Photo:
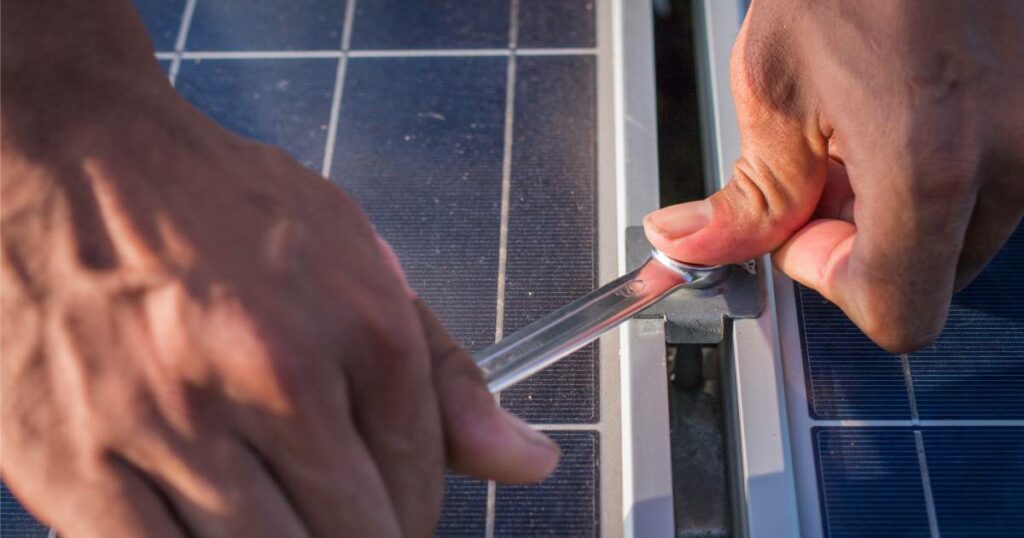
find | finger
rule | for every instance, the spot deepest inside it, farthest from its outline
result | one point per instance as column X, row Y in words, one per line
column 837, row 198
column 316, row 455
column 776, row 183
column 119, row 502
column 995, row 219
column 217, row 486
column 892, row 274
column 395, row 410
column 481, row 439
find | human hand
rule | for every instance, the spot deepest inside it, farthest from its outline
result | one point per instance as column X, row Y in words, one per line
column 201, row 337
column 882, row 155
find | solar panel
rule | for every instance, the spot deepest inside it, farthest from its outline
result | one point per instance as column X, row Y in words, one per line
column 964, row 394
column 469, row 132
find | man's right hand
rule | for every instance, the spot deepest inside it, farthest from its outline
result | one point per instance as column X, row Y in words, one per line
column 883, row 155
column 202, row 338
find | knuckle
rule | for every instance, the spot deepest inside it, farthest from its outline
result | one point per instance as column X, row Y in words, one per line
column 900, row 330
column 759, row 193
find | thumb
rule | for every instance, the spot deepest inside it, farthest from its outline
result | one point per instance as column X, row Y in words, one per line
column 776, row 183
column 481, row 439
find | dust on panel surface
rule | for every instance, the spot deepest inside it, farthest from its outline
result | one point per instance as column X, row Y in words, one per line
column 551, row 225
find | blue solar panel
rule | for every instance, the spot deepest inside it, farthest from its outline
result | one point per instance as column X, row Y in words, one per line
column 420, row 145
column 566, row 504
column 975, row 371
column 869, row 482
column 415, row 24
column 976, row 368
column 465, row 508
column 163, row 21
column 543, row 23
column 266, row 25
column 286, row 102
column 551, row 220
column 977, row 479
column 847, row 375
column 15, row 522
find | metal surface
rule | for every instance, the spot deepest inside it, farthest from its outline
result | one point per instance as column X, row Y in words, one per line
column 643, row 415
column 762, row 473
column 698, row 316
column 556, row 335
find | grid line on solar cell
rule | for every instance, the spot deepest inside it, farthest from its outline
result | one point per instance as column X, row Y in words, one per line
column 552, row 232
column 339, row 86
column 506, row 187
column 333, row 53
column 179, row 42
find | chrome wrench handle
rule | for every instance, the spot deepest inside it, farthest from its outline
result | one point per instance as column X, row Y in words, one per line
column 556, row 335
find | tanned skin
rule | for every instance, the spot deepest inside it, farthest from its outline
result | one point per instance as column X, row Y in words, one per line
column 200, row 337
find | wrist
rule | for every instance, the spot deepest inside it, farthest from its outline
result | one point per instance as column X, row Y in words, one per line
column 67, row 65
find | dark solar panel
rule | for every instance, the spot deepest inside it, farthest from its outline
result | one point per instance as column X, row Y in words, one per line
column 465, row 508
column 869, row 482
column 847, row 375
column 543, row 23
column 551, row 237
column 977, row 479
column 417, row 24
column 976, row 369
column 420, row 144
column 163, row 21
column 266, row 25
column 974, row 372
column 286, row 102
column 566, row 504
column 15, row 522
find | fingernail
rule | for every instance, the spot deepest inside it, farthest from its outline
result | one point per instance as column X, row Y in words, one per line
column 529, row 433
column 680, row 220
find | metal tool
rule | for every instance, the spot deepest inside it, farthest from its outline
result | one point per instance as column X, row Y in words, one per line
column 545, row 341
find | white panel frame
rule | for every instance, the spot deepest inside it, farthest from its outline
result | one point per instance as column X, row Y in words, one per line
column 764, row 485
column 646, row 504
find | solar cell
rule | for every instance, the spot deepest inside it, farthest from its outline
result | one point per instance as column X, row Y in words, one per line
column 977, row 479
column 566, row 504
column 465, row 508
column 551, row 225
column 869, row 482
column 286, row 102
column 420, row 146
column 15, row 522
column 415, row 24
column 163, row 20
column 266, row 25
column 848, row 376
column 543, row 23
column 976, row 368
